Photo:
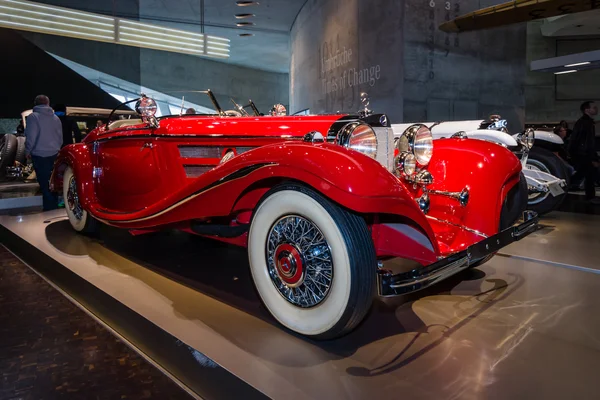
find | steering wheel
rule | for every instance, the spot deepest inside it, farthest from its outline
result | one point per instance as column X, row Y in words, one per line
column 239, row 108
column 233, row 113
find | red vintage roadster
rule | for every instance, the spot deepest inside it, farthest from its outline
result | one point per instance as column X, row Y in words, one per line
column 324, row 204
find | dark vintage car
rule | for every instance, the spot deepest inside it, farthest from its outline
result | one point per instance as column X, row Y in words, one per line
column 324, row 203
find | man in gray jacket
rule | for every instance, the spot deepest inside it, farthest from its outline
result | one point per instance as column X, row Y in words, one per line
column 43, row 131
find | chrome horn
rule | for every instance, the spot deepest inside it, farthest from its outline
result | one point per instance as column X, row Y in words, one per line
column 462, row 196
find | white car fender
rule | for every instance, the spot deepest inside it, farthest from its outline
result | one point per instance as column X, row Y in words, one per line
column 548, row 137
column 492, row 136
column 471, row 129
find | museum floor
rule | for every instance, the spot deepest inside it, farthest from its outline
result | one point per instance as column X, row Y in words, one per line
column 524, row 325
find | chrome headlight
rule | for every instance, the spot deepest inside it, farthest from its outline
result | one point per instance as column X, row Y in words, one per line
column 359, row 137
column 527, row 138
column 407, row 164
column 417, row 140
column 146, row 107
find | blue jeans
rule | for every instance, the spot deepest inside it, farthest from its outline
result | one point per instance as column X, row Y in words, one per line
column 43, row 169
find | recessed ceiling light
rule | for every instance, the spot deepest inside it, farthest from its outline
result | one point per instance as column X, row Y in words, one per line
column 565, row 72
column 242, row 16
column 246, row 3
column 246, row 34
column 577, row 64
column 245, row 23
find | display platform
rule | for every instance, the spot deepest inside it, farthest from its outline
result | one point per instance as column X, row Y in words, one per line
column 14, row 194
column 523, row 325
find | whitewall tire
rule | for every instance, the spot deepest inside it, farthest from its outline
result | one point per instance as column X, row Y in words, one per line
column 313, row 263
column 80, row 219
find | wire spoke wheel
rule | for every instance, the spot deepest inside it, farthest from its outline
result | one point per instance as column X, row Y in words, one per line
column 299, row 261
column 73, row 199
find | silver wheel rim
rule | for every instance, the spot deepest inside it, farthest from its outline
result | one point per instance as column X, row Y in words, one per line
column 537, row 197
column 73, row 199
column 299, row 261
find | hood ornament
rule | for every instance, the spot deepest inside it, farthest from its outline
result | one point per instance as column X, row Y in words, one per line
column 365, row 101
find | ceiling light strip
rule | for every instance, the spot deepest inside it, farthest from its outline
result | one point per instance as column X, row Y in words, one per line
column 157, row 45
column 34, row 17
column 27, row 12
column 154, row 27
column 217, row 49
column 42, row 29
column 155, row 32
column 47, row 22
column 578, row 64
column 149, row 40
column 219, row 39
column 565, row 72
column 217, row 54
column 218, row 44
column 57, row 9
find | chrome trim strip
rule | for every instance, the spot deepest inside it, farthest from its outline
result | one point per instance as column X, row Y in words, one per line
column 476, row 232
column 197, row 135
column 231, row 177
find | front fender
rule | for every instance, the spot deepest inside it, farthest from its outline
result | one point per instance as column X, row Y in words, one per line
column 76, row 156
column 487, row 170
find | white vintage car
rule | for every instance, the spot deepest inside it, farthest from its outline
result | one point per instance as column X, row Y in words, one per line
column 547, row 175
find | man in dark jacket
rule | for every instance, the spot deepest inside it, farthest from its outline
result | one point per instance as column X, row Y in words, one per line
column 583, row 152
column 70, row 129
column 43, row 131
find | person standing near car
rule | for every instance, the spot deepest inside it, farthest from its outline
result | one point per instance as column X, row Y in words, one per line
column 583, row 152
column 43, row 131
column 70, row 130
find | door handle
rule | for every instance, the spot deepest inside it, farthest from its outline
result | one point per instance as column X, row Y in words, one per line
column 148, row 145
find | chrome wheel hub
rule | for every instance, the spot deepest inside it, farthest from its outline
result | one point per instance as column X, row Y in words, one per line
column 73, row 199
column 299, row 261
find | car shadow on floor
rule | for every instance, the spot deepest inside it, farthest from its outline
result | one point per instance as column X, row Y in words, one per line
column 221, row 271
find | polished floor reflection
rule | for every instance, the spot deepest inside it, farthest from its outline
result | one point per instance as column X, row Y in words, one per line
column 524, row 325
column 49, row 348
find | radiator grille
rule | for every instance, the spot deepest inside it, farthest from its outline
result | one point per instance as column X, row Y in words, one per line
column 385, row 147
column 194, row 171
column 200, row 151
column 241, row 150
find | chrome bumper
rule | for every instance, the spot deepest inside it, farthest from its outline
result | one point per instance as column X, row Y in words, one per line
column 420, row 278
column 538, row 181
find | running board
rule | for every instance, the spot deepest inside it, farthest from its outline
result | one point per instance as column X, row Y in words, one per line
column 224, row 231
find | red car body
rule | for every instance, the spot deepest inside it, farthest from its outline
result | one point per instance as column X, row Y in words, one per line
column 144, row 179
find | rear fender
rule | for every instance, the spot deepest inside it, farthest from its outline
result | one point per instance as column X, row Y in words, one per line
column 76, row 156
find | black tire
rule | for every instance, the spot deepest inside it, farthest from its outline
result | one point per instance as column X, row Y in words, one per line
column 349, row 294
column 548, row 162
column 8, row 151
column 20, row 156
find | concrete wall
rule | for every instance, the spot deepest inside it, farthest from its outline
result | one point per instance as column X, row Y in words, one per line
column 461, row 76
column 172, row 72
column 423, row 73
column 549, row 97
column 340, row 49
